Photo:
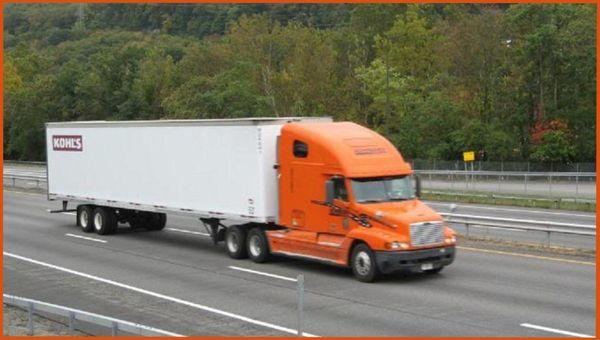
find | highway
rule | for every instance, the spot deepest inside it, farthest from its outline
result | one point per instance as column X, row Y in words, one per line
column 178, row 281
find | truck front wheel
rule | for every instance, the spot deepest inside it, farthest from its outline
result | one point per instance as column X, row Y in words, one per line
column 364, row 266
column 235, row 241
column 257, row 245
column 105, row 221
column 84, row 218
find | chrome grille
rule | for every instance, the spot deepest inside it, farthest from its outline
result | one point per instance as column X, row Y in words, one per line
column 426, row 233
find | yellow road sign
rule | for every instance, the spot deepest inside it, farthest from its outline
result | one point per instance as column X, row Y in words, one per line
column 469, row 156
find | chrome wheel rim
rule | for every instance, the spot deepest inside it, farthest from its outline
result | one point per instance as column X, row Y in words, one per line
column 362, row 263
column 83, row 218
column 233, row 243
column 98, row 221
column 255, row 246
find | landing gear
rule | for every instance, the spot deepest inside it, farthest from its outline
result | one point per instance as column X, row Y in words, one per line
column 217, row 230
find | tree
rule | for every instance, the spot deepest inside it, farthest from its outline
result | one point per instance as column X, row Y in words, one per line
column 555, row 147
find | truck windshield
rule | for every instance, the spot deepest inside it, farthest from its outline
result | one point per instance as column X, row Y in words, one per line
column 382, row 189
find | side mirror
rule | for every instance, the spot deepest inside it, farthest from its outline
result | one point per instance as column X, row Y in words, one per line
column 417, row 186
column 329, row 190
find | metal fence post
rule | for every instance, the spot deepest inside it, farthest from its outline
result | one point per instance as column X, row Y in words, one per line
column 300, row 302
column 577, row 183
column 499, row 180
column 7, row 324
column 71, row 323
column 30, row 320
column 115, row 328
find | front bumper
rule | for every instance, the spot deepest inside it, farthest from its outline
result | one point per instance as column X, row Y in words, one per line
column 412, row 260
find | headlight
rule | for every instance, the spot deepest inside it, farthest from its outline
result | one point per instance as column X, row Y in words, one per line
column 397, row 245
column 450, row 240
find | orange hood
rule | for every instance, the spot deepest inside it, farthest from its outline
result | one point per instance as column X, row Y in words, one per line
column 400, row 214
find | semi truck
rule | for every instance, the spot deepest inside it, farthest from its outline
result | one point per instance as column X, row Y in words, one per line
column 311, row 188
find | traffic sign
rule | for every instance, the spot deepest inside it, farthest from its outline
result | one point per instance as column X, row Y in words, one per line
column 469, row 156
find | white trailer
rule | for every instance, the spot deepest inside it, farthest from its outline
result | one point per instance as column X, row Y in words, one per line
column 213, row 169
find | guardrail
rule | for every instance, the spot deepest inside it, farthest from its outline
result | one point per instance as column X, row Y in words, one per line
column 73, row 315
column 41, row 178
column 505, row 173
column 525, row 225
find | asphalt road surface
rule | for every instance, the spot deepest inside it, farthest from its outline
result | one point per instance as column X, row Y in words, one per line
column 178, row 281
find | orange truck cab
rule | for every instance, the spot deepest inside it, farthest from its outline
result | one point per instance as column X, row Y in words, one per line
column 346, row 197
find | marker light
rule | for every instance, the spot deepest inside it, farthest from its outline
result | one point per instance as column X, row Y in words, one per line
column 450, row 240
column 397, row 245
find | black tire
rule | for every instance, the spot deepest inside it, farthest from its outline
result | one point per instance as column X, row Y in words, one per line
column 434, row 271
column 257, row 245
column 136, row 220
column 84, row 218
column 364, row 266
column 235, row 242
column 105, row 221
column 157, row 221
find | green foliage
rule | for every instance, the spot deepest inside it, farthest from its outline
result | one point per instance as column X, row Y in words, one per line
column 435, row 79
column 555, row 147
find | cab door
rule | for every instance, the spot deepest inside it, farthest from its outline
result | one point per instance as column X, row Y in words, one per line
column 338, row 221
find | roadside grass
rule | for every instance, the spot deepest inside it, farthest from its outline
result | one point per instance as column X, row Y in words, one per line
column 529, row 202
column 520, row 247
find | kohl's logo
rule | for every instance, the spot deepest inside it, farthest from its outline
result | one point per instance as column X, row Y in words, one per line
column 67, row 143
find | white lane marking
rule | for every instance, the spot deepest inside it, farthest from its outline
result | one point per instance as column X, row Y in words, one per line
column 514, row 210
column 554, row 330
column 263, row 273
column 13, row 299
column 161, row 296
column 86, row 238
column 188, row 231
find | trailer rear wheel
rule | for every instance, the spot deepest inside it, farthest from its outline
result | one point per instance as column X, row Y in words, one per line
column 84, row 218
column 364, row 266
column 235, row 242
column 257, row 245
column 105, row 221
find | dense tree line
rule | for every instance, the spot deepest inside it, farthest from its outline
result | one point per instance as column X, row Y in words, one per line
column 514, row 81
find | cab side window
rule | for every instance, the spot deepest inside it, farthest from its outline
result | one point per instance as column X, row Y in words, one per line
column 300, row 149
column 339, row 189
